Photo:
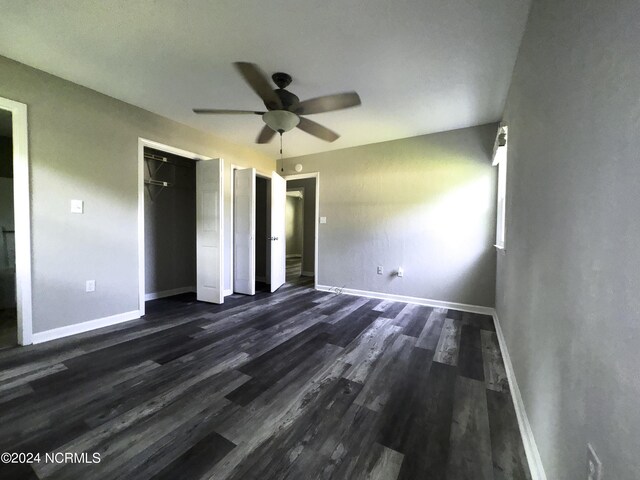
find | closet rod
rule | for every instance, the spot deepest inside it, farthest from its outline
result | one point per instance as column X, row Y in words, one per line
column 159, row 183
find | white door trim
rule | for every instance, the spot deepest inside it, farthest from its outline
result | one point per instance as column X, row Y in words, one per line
column 315, row 175
column 143, row 142
column 22, row 218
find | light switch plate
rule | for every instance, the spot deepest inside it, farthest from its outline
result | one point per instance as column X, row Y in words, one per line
column 91, row 286
column 77, row 206
column 323, row 219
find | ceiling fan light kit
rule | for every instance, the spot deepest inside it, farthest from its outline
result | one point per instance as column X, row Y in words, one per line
column 281, row 120
column 284, row 109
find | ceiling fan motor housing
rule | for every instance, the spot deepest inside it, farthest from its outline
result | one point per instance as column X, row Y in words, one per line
column 287, row 98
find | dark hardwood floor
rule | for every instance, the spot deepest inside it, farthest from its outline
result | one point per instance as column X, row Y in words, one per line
column 297, row 385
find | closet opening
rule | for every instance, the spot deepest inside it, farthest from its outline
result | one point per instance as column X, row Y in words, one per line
column 169, row 225
column 263, row 232
column 8, row 305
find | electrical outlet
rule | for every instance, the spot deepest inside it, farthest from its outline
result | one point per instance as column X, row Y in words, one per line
column 380, row 270
column 90, row 286
column 400, row 272
column 594, row 465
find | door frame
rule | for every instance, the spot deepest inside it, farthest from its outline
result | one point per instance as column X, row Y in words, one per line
column 143, row 142
column 316, row 175
column 232, row 168
column 22, row 218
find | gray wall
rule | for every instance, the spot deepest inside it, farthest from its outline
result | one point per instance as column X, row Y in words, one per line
column 424, row 203
column 294, row 225
column 84, row 145
column 170, row 226
column 568, row 287
column 308, row 254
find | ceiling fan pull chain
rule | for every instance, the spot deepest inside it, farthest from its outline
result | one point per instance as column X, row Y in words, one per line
column 281, row 160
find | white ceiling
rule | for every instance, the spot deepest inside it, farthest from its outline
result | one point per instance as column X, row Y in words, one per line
column 420, row 66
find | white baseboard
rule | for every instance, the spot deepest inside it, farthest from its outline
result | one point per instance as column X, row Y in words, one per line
column 529, row 441
column 168, row 293
column 68, row 330
column 403, row 298
column 227, row 292
column 307, row 274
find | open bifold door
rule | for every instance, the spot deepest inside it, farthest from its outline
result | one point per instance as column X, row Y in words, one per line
column 209, row 231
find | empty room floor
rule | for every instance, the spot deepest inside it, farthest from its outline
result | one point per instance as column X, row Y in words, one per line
column 298, row 384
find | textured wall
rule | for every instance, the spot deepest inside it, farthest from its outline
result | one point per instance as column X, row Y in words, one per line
column 309, row 219
column 424, row 203
column 85, row 145
column 170, row 226
column 568, row 285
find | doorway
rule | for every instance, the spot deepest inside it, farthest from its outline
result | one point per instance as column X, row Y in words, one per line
column 302, row 220
column 263, row 232
column 170, row 224
column 8, row 310
column 294, row 221
column 15, row 227
column 257, row 231
column 199, row 206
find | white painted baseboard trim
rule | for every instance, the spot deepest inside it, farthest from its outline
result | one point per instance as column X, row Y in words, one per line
column 168, row 293
column 227, row 292
column 307, row 274
column 529, row 441
column 68, row 330
column 403, row 298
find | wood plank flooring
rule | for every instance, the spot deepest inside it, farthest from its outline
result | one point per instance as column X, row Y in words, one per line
column 298, row 385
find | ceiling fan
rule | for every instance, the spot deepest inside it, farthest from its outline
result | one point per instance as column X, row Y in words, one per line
column 284, row 109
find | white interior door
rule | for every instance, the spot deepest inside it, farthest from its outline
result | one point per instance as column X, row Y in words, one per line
column 209, row 231
column 244, row 231
column 278, row 245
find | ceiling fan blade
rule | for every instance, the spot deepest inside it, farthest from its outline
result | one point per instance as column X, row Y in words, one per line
column 265, row 135
column 328, row 103
column 259, row 83
column 230, row 112
column 317, row 130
